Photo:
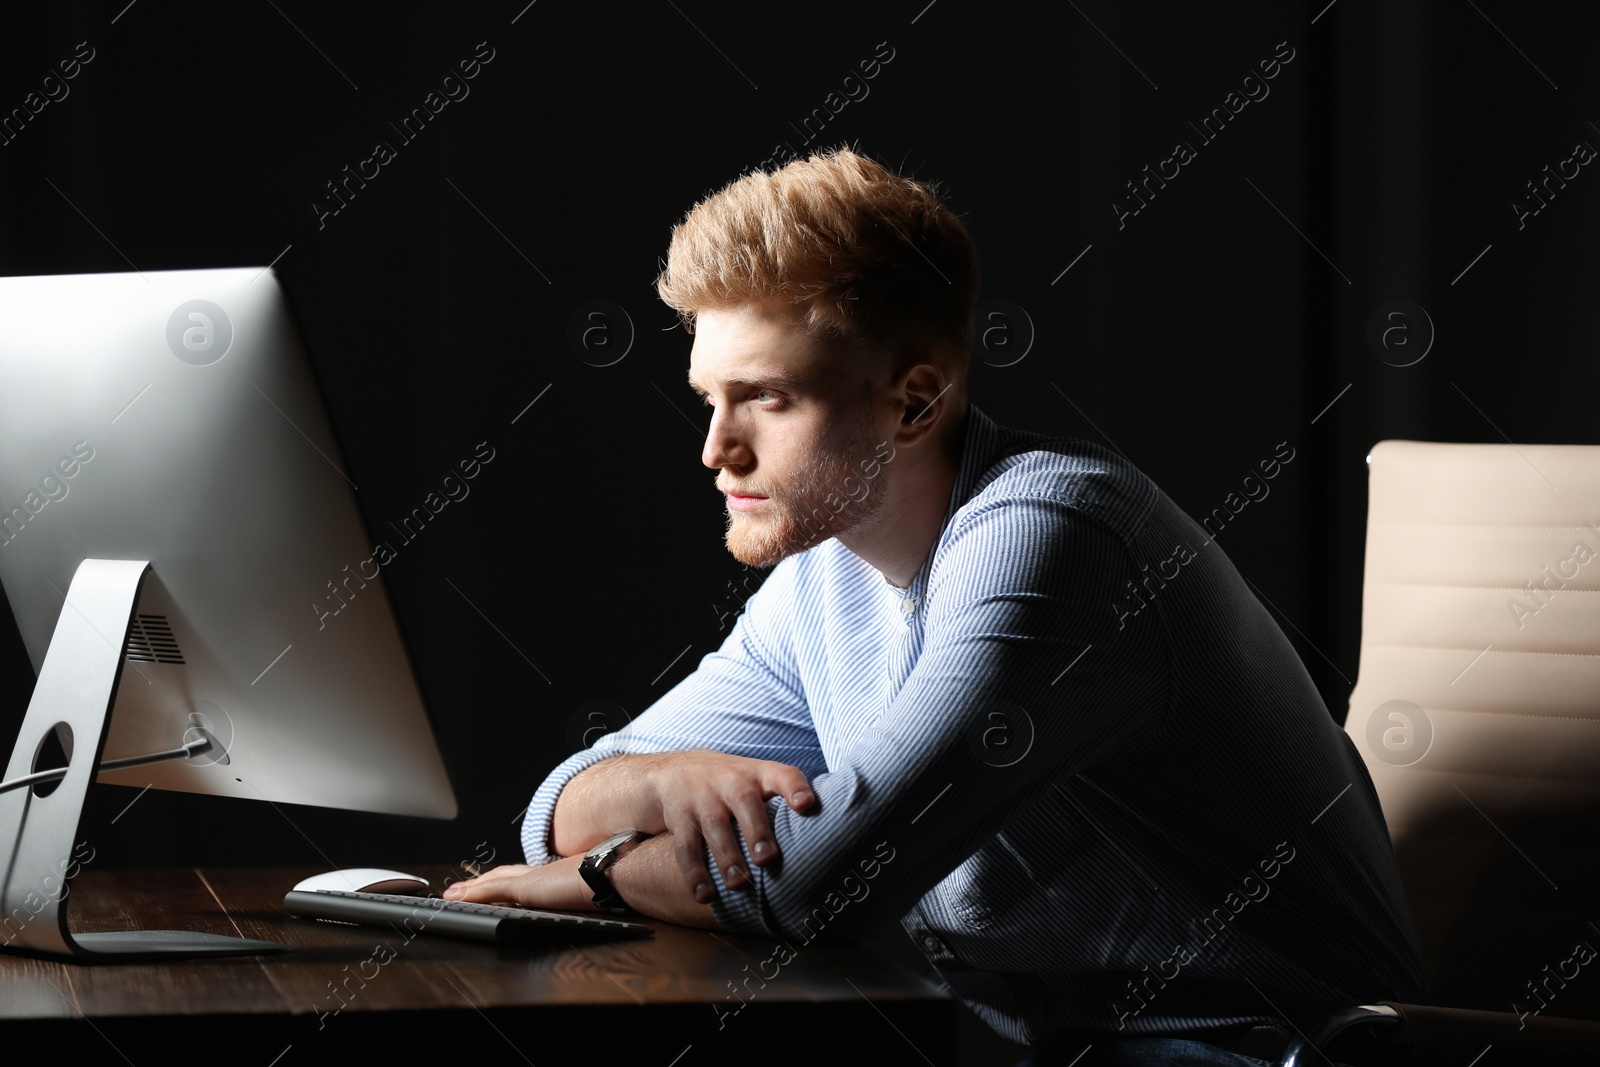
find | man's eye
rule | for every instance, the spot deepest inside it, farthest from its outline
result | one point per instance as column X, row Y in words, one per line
column 766, row 395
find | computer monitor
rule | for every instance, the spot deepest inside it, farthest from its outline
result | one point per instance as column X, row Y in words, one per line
column 181, row 548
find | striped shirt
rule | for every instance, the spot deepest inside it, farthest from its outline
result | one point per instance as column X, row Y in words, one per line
column 1076, row 759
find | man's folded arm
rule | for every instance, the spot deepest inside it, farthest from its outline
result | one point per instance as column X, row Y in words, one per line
column 743, row 699
column 989, row 718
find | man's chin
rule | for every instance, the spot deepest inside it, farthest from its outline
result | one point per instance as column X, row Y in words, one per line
column 750, row 541
column 756, row 552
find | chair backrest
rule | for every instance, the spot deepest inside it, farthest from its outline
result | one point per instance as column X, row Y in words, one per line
column 1477, row 710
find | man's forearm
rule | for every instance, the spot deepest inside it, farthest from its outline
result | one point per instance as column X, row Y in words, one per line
column 649, row 880
column 612, row 795
column 700, row 795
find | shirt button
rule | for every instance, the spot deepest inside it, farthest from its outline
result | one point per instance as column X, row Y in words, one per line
column 908, row 605
column 931, row 943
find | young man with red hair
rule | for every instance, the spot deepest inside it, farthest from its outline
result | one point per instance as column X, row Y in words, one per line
column 998, row 687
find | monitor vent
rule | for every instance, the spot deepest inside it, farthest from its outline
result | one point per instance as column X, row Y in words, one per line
column 150, row 640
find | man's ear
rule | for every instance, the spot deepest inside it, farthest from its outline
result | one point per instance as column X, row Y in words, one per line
column 924, row 389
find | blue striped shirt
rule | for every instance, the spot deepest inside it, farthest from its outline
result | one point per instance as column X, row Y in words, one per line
column 1076, row 759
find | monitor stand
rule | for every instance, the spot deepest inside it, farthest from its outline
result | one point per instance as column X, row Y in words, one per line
column 38, row 823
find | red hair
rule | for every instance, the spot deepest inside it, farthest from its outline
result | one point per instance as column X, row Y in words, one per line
column 860, row 254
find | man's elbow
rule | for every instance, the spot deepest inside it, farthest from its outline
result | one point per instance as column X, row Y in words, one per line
column 838, row 918
column 836, row 901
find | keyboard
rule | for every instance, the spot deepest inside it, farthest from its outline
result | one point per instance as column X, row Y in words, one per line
column 497, row 924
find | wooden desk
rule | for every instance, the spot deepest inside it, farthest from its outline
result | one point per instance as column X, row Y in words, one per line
column 340, row 998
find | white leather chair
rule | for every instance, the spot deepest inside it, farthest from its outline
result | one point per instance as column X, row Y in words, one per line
column 1477, row 710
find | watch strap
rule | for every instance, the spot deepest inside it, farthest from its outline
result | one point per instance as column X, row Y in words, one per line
column 601, row 859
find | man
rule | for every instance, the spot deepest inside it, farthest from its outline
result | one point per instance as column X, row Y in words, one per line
column 998, row 686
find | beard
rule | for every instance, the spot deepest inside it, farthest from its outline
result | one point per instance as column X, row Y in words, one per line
column 800, row 514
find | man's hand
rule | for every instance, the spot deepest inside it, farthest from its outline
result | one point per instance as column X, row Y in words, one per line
column 696, row 795
column 557, row 886
column 703, row 792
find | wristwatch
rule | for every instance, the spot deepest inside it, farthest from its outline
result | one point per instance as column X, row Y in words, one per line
column 600, row 858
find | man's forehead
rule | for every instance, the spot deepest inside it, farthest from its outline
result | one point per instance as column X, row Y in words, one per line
column 745, row 347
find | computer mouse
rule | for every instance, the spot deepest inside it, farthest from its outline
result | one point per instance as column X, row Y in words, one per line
column 364, row 880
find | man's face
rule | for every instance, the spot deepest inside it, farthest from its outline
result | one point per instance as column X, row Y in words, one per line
column 794, row 431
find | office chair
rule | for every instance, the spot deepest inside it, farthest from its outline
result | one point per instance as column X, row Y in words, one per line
column 1477, row 711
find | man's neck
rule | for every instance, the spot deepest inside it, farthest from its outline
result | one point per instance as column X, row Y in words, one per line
column 903, row 533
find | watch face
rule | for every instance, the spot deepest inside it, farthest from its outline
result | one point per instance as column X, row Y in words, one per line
column 609, row 844
column 612, row 842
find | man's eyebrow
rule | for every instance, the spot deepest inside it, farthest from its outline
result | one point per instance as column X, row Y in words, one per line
column 767, row 379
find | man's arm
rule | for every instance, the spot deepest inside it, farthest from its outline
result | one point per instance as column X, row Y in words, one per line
column 1022, row 646
column 657, row 773
column 693, row 794
column 647, row 878
column 608, row 797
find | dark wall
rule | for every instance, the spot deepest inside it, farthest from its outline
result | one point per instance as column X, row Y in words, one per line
column 1198, row 334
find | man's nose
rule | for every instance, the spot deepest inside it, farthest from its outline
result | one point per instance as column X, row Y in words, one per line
column 724, row 445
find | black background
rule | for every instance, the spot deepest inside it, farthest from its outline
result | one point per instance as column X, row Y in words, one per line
column 587, row 564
